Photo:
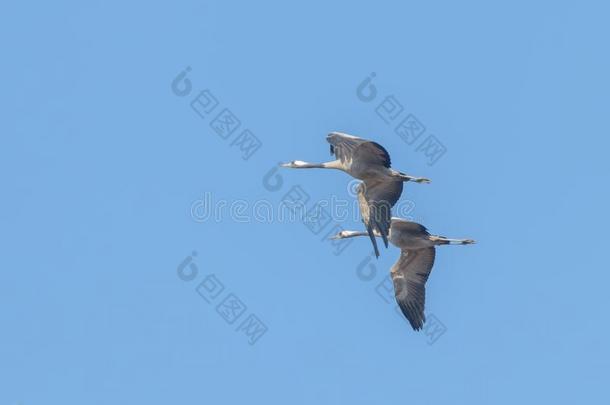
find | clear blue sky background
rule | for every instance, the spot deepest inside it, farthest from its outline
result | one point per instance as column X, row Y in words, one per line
column 100, row 163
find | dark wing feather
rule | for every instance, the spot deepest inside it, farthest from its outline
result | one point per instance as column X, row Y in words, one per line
column 409, row 275
column 366, row 217
column 376, row 199
column 349, row 148
column 372, row 153
column 402, row 226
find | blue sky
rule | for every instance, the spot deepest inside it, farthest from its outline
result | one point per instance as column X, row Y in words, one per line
column 102, row 165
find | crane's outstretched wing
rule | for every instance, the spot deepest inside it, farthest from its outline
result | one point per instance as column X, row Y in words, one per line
column 406, row 227
column 409, row 275
column 349, row 148
column 376, row 199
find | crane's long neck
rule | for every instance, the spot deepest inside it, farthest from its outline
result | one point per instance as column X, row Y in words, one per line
column 307, row 165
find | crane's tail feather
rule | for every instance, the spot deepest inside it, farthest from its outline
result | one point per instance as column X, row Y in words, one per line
column 372, row 236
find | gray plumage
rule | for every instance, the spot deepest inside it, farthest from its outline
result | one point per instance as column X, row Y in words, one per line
column 376, row 199
column 411, row 271
column 381, row 185
column 361, row 158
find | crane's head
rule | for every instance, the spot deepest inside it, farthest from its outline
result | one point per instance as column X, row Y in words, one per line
column 340, row 235
column 296, row 164
column 348, row 234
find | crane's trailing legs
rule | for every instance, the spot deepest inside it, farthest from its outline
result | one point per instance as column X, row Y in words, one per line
column 405, row 177
column 441, row 240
